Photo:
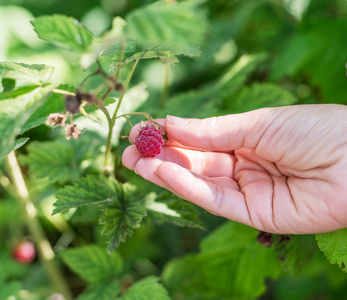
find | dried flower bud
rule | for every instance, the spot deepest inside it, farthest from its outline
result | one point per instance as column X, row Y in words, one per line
column 72, row 103
column 265, row 238
column 72, row 131
column 56, row 119
column 119, row 87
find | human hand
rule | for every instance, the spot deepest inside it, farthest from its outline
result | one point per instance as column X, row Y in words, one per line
column 281, row 170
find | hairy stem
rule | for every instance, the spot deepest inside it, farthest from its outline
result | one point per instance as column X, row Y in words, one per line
column 112, row 121
column 44, row 248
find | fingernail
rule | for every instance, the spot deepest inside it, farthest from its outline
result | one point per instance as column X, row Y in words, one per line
column 176, row 120
column 135, row 172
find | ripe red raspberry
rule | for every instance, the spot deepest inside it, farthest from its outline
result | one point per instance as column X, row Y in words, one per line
column 149, row 141
column 24, row 253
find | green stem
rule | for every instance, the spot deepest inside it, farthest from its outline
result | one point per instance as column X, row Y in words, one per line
column 112, row 121
column 44, row 248
column 63, row 92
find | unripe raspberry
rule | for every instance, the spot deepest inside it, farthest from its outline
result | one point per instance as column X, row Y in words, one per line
column 149, row 141
column 24, row 253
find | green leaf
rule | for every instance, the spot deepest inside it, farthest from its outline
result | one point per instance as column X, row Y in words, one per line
column 235, row 263
column 86, row 191
column 179, row 27
column 258, row 96
column 147, row 288
column 334, row 246
column 306, row 55
column 93, row 263
column 296, row 253
column 8, row 84
column 204, row 102
column 121, row 218
column 169, row 208
column 36, row 74
column 231, row 264
column 60, row 160
column 14, row 113
column 63, row 31
column 16, row 145
column 165, row 55
column 101, row 291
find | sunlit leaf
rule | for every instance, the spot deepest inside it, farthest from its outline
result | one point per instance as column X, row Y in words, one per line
column 14, row 113
column 102, row 291
column 36, row 74
column 63, row 31
column 179, row 27
column 169, row 208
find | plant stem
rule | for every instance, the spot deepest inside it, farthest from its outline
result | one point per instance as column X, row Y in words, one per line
column 166, row 85
column 63, row 92
column 44, row 248
column 112, row 122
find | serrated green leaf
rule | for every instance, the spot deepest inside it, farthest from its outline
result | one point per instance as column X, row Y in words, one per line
column 179, row 27
column 63, row 31
column 8, row 84
column 235, row 263
column 258, row 96
column 147, row 288
column 93, row 263
column 102, row 291
column 36, row 74
column 92, row 189
column 60, row 160
column 204, row 102
column 120, row 219
column 231, row 264
column 14, row 112
column 169, row 208
column 334, row 246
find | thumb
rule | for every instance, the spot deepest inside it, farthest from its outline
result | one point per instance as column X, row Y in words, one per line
column 223, row 133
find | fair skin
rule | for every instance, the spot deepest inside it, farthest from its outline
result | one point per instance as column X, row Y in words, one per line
column 280, row 170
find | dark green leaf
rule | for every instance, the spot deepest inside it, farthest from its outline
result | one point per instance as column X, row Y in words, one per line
column 86, row 191
column 14, row 112
column 36, row 74
column 147, row 288
column 8, row 84
column 61, row 160
column 93, row 263
column 179, row 27
column 204, row 102
column 169, row 208
column 101, row 291
column 120, row 219
column 63, row 31
column 258, row 96
column 334, row 246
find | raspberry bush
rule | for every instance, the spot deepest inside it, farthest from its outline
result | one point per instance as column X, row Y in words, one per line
column 75, row 77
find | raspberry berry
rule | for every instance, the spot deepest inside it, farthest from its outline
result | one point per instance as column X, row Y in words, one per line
column 24, row 253
column 149, row 141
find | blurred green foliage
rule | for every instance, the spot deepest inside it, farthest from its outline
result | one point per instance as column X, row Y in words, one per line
column 240, row 55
